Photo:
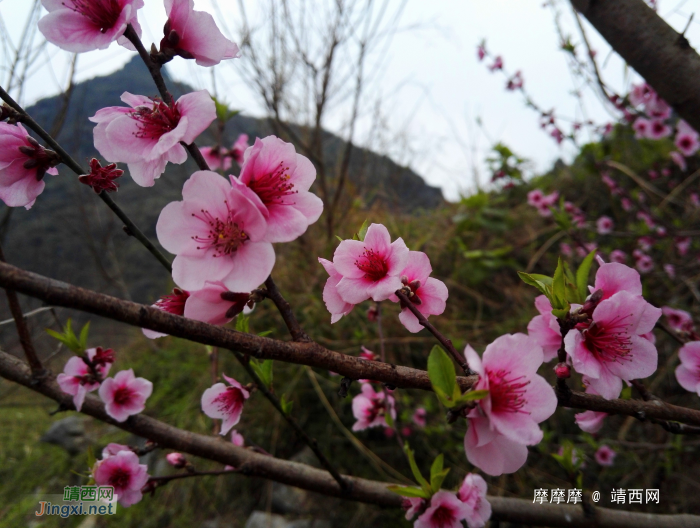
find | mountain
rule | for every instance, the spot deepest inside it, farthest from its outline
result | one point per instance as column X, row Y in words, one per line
column 69, row 234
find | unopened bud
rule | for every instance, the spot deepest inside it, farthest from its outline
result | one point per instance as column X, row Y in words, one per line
column 372, row 314
column 562, row 371
column 177, row 460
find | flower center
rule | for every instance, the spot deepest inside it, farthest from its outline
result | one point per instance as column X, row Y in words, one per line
column 373, row 265
column 156, row 121
column 685, row 143
column 173, row 303
column 230, row 400
column 123, row 395
column 507, row 395
column 377, row 409
column 443, row 517
column 102, row 13
column 120, row 478
column 225, row 236
column 610, row 342
column 273, row 187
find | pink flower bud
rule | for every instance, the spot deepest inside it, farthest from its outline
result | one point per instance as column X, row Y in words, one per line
column 562, row 371
column 177, row 460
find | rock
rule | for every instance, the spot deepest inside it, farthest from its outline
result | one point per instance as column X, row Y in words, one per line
column 260, row 519
column 68, row 433
column 286, row 499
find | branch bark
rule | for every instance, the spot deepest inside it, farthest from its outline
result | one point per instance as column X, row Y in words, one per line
column 653, row 48
column 252, row 464
column 57, row 293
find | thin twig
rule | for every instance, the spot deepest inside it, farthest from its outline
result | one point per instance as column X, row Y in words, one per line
column 130, row 226
column 311, row 442
column 446, row 343
column 273, row 293
column 25, row 337
column 155, row 70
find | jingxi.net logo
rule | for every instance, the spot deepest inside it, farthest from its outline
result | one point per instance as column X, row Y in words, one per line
column 79, row 500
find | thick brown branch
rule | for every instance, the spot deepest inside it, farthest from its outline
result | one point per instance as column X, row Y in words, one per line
column 59, row 293
column 253, row 464
column 406, row 302
column 273, row 293
column 653, row 48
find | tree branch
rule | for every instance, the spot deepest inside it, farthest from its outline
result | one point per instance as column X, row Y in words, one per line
column 653, row 48
column 446, row 343
column 273, row 293
column 131, row 228
column 154, row 69
column 311, row 442
column 302, row 476
column 59, row 293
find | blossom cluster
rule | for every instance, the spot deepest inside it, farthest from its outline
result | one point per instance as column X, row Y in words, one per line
column 376, row 268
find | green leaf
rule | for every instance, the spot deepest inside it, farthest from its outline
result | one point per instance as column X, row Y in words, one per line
column 242, row 323
column 91, row 458
column 409, row 491
column 266, row 333
column 363, row 230
column 414, row 468
column 543, row 287
column 445, row 399
column 582, row 275
column 558, row 286
column 437, row 473
column 84, row 335
column 471, row 396
column 68, row 337
column 441, row 371
column 340, row 239
column 263, row 370
column 286, row 404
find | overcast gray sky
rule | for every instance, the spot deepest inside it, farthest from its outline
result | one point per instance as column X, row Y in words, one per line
column 433, row 86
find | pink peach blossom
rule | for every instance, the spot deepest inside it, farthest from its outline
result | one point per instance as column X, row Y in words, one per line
column 641, row 94
column 604, row 225
column 334, row 302
column 678, row 320
column 429, row 295
column 618, row 256
column 85, row 25
column 670, row 270
column 445, row 511
column 369, row 408
column 122, row 471
column 217, row 235
column 683, row 245
column 367, row 354
column 535, row 197
column 658, row 129
column 645, row 243
column 215, row 304
column 370, row 269
column 614, row 277
column 605, row 456
column 657, row 108
column 148, row 135
column 686, row 139
column 216, row 157
column 125, row 394
column 544, row 329
column 472, row 493
column 225, row 402
column 194, row 35
column 678, row 159
column 239, row 147
column 413, row 506
column 497, row 64
column 626, row 204
column 173, row 303
column 278, row 180
column 23, row 164
column 418, row 417
column 641, row 127
column 688, row 372
column 610, row 348
column 644, row 263
column 177, row 460
column 237, row 438
column 77, row 379
column 505, row 422
column 590, row 421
